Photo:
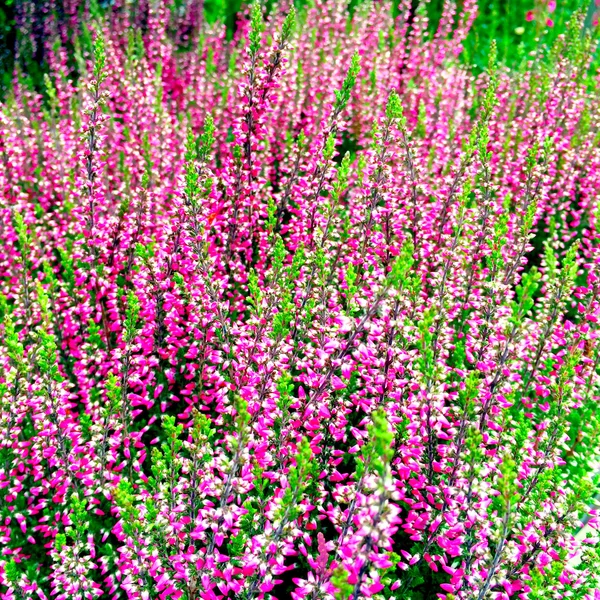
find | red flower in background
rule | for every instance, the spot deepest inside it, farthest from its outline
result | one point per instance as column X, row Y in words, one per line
column 541, row 11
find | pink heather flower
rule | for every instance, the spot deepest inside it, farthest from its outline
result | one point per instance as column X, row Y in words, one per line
column 544, row 559
column 237, row 362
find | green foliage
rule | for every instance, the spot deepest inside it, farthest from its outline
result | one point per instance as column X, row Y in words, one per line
column 473, row 445
column 68, row 267
column 470, row 390
column 246, row 526
column 219, row 10
column 343, row 172
column 421, row 121
column 505, row 22
column 113, row 396
column 497, row 242
column 398, row 277
column 377, row 452
column 144, row 252
column 286, row 309
column 279, row 253
column 172, row 444
column 329, row 147
column 51, row 95
column 78, row 517
column 85, row 422
column 271, row 216
column 207, row 140
column 99, row 58
column 15, row 348
column 526, row 291
column 390, row 575
column 242, row 417
column 60, row 541
column 11, row 571
column 94, row 337
column 298, row 479
column 22, row 235
column 351, row 277
column 132, row 317
column 339, row 579
column 255, row 294
column 426, row 360
column 394, row 109
column 490, row 100
column 192, row 177
column 508, row 482
column 288, row 26
column 201, row 430
column 590, row 562
column 285, row 387
column 569, row 268
column 45, row 357
column 256, row 28
column 342, row 97
column 158, row 84
column 125, row 499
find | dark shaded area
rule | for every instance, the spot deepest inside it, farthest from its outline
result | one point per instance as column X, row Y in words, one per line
column 8, row 38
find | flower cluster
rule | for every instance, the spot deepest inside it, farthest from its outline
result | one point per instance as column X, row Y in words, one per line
column 542, row 12
column 306, row 311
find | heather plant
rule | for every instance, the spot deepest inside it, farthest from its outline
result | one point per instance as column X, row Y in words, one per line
column 303, row 310
column 517, row 25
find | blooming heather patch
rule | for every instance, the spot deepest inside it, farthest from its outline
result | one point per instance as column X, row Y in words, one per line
column 306, row 313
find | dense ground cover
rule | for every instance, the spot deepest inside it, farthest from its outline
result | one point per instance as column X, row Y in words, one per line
column 302, row 309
